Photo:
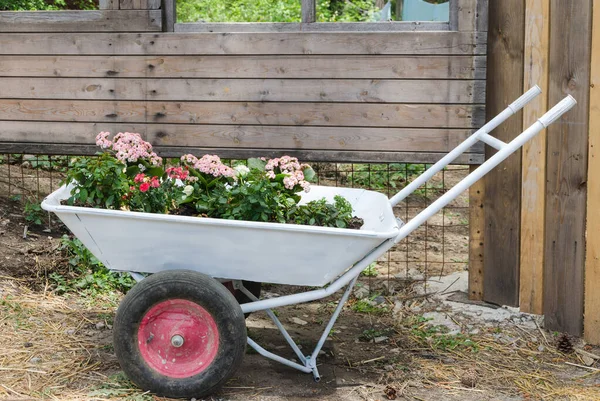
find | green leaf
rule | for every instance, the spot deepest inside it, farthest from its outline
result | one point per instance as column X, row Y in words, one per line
column 340, row 223
column 309, row 174
column 132, row 171
column 83, row 195
column 256, row 164
column 155, row 171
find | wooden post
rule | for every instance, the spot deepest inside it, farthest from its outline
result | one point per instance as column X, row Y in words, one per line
column 592, row 258
column 169, row 15
column 108, row 4
column 503, row 184
column 537, row 14
column 566, row 170
column 476, row 230
column 309, row 11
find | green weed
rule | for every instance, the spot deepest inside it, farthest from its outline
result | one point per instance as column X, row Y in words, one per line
column 368, row 306
column 88, row 274
column 34, row 214
column 370, row 271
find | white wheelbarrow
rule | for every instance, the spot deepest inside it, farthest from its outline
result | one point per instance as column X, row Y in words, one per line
column 181, row 333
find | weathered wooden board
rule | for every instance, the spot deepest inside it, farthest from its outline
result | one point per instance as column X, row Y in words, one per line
column 503, row 184
column 263, row 90
column 245, row 136
column 385, row 26
column 591, row 322
column 404, row 43
column 318, row 67
column 566, row 173
column 240, row 153
column 108, row 4
column 476, row 232
column 139, row 4
column 309, row 11
column 537, row 20
column 81, row 21
column 169, row 15
column 349, row 114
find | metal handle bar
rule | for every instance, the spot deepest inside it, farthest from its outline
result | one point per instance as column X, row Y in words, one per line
column 480, row 135
column 552, row 115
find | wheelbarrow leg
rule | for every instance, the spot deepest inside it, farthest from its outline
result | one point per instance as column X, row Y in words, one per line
column 309, row 362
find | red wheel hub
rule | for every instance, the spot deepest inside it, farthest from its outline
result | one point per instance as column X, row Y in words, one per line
column 178, row 338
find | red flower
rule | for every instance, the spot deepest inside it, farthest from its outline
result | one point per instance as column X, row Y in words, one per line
column 144, row 187
column 139, row 178
column 154, row 183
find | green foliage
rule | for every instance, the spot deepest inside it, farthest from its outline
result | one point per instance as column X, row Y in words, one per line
column 254, row 198
column 272, row 11
column 321, row 213
column 32, row 5
column 380, row 176
column 371, row 334
column 100, row 182
column 87, row 273
column 370, row 271
column 438, row 337
column 367, row 305
column 34, row 214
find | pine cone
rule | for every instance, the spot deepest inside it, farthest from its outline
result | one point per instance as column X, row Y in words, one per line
column 469, row 378
column 564, row 343
column 390, row 393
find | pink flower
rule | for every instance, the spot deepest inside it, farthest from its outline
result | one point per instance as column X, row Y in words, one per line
column 154, row 183
column 145, row 187
column 139, row 178
column 177, row 173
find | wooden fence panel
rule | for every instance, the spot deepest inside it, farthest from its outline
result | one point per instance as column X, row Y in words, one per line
column 503, row 184
column 592, row 257
column 537, row 20
column 570, row 35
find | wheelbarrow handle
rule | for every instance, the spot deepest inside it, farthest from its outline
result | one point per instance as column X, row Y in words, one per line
column 480, row 134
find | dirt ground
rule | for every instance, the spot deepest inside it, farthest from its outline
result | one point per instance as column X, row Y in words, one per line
column 60, row 346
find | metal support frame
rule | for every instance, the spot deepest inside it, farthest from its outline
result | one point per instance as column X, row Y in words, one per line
column 309, row 362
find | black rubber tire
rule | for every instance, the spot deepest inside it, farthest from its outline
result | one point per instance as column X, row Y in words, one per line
column 192, row 286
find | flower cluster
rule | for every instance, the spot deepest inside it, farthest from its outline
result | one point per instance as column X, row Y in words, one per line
column 210, row 165
column 291, row 168
column 146, row 182
column 128, row 147
column 177, row 173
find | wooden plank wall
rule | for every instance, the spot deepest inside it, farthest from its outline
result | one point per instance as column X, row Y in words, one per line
column 503, row 184
column 537, row 23
column 555, row 39
column 592, row 258
column 356, row 96
column 566, row 169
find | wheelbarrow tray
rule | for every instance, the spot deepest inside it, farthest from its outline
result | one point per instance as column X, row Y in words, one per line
column 231, row 249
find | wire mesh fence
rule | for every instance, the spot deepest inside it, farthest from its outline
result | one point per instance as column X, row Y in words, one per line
column 439, row 247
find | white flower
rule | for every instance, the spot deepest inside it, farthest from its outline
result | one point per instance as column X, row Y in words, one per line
column 142, row 167
column 188, row 190
column 241, row 170
column 228, row 187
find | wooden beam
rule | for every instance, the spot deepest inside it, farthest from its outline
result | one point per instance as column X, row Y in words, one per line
column 592, row 257
column 566, row 171
column 305, row 155
column 476, row 233
column 80, row 21
column 314, row 114
column 263, row 90
column 245, row 136
column 169, row 15
column 108, row 4
column 537, row 20
column 309, row 11
column 140, row 4
column 503, row 184
column 342, row 43
column 387, row 26
column 318, row 67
